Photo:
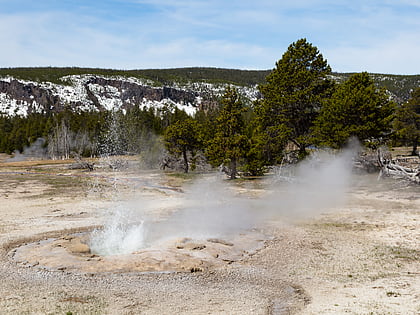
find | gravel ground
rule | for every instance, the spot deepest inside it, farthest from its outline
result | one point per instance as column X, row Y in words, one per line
column 362, row 258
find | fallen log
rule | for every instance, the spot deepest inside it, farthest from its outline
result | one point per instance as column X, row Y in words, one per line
column 401, row 172
column 390, row 167
column 79, row 163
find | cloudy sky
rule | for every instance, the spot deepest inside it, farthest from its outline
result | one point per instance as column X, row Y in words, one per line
column 381, row 36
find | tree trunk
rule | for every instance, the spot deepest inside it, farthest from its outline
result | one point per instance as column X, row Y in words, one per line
column 184, row 155
column 233, row 169
column 302, row 149
column 414, row 150
column 302, row 152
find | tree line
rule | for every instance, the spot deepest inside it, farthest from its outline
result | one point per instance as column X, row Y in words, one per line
column 301, row 108
column 158, row 76
column 87, row 133
column 399, row 85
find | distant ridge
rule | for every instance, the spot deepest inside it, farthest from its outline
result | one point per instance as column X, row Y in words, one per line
column 163, row 76
column 399, row 86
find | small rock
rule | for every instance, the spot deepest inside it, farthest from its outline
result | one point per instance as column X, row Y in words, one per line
column 219, row 241
column 80, row 248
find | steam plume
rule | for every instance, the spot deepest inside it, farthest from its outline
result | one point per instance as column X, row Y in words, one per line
column 211, row 208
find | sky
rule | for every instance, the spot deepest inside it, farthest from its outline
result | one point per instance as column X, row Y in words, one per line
column 379, row 36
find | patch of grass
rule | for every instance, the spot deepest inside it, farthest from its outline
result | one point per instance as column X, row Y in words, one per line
column 337, row 225
column 184, row 176
column 51, row 184
column 383, row 275
column 64, row 185
column 405, row 253
column 392, row 253
column 32, row 163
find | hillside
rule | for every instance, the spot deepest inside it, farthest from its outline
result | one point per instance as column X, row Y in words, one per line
column 35, row 90
column 29, row 90
column 399, row 86
column 158, row 76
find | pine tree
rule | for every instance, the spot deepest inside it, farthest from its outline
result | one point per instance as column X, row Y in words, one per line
column 230, row 142
column 356, row 109
column 407, row 123
column 183, row 137
column 292, row 98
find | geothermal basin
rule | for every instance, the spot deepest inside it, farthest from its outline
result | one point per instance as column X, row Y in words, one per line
column 73, row 254
column 216, row 247
column 204, row 228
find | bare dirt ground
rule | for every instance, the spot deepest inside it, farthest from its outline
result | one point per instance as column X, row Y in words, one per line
column 362, row 258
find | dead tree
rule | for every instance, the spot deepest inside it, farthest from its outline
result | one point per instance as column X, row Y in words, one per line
column 390, row 167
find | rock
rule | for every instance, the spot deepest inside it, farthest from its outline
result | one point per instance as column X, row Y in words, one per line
column 190, row 246
column 219, row 241
column 77, row 247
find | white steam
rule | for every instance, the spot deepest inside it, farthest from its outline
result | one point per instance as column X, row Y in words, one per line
column 122, row 234
column 210, row 209
column 320, row 183
column 213, row 208
column 36, row 150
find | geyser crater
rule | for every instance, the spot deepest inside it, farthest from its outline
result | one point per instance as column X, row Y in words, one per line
column 72, row 253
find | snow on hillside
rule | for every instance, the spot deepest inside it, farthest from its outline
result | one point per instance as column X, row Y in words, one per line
column 84, row 93
column 12, row 107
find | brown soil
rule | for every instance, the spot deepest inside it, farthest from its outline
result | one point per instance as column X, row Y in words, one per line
column 362, row 258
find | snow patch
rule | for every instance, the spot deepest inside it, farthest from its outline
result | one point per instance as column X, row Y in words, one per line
column 110, row 97
column 11, row 107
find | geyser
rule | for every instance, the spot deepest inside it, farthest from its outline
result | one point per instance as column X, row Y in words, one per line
column 208, row 209
column 117, row 238
column 212, row 208
column 213, row 223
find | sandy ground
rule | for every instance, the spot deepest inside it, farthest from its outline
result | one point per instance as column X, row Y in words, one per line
column 362, row 258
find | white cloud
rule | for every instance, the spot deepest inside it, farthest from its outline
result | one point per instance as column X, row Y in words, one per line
column 234, row 34
column 192, row 52
column 397, row 55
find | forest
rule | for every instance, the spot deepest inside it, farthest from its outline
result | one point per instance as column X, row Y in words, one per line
column 301, row 108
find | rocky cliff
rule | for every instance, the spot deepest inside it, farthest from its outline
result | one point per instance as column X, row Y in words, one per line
column 21, row 98
column 93, row 92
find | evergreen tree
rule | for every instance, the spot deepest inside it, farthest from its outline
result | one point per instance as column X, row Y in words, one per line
column 291, row 99
column 357, row 108
column 207, row 120
column 183, row 137
column 6, row 126
column 407, row 123
column 229, row 143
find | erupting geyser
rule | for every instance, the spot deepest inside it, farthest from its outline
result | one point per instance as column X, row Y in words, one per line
column 212, row 224
column 117, row 238
column 123, row 233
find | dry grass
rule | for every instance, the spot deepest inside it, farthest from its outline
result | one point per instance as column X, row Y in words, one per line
column 41, row 184
column 33, row 163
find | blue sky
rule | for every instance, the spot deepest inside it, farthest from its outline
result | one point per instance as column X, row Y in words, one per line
column 381, row 36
